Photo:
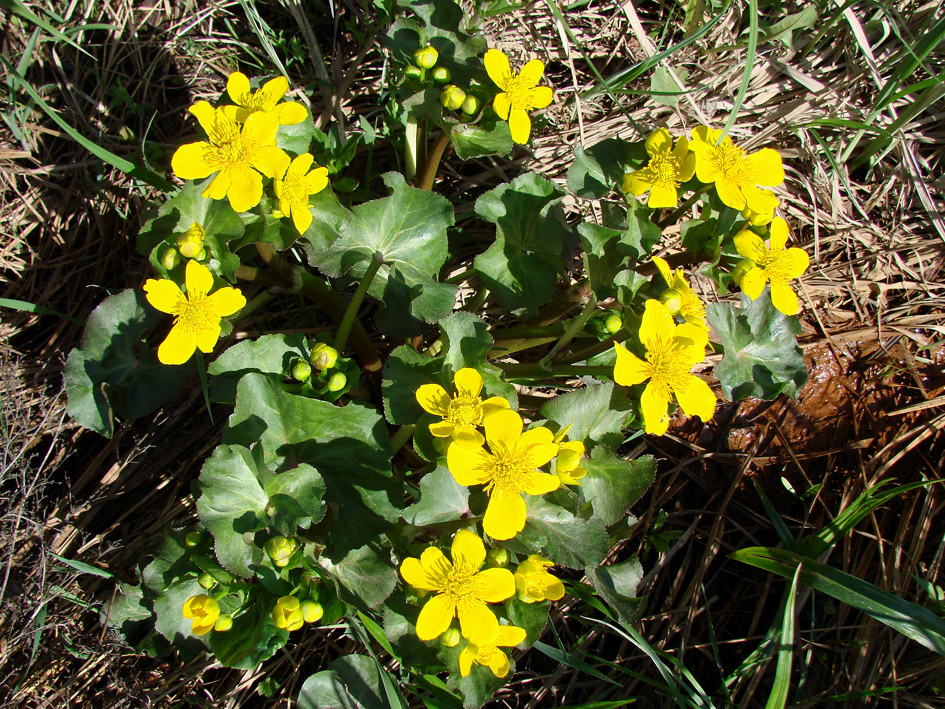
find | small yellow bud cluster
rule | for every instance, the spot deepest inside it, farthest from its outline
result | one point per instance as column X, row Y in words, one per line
column 290, row 613
column 426, row 58
column 281, row 549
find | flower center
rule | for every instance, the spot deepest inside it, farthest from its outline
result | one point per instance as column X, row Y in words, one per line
column 775, row 265
column 519, row 91
column 465, row 411
column 506, row 471
column 665, row 168
column 730, row 159
column 258, row 101
column 228, row 148
column 194, row 315
column 459, row 584
column 668, row 365
column 295, row 190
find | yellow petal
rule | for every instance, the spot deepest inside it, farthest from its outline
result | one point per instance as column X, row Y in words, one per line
column 792, row 263
column 494, row 403
column 658, row 141
column 466, row 660
column 499, row 663
column 531, row 73
column 270, row 160
column 192, row 161
column 662, row 265
column 657, row 325
column 468, row 465
column 688, row 167
column 655, row 403
column 779, row 233
column 535, row 483
column 494, row 585
column 784, row 298
column 501, row 104
column 290, row 113
column 729, row 192
column 704, row 134
column 750, row 245
column 468, row 382
column 435, row 617
column 237, row 87
column 207, row 337
column 503, row 427
column 225, row 301
column 178, row 346
column 758, row 200
column 413, row 573
column 164, row 295
column 317, row 180
column 260, row 129
column 434, row 399
column 206, row 116
column 301, row 164
column 520, row 125
column 498, row 69
column 467, row 436
column 753, row 282
column 245, row 187
column 695, row 334
column 510, row 635
column 220, row 185
column 201, row 627
column 197, row 279
column 663, row 195
column 629, row 369
column 638, row 181
column 275, row 88
column 682, row 148
column 707, row 169
column 505, row 514
column 765, row 168
column 302, row 218
column 537, row 455
column 695, row 397
column 443, row 429
column 468, row 551
column 540, row 97
column 478, row 623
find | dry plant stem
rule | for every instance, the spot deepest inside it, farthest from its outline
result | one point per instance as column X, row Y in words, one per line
column 433, row 162
column 319, row 292
column 351, row 312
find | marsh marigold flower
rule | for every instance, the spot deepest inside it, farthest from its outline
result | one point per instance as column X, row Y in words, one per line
column 507, row 471
column 462, row 413
column 287, row 614
column 667, row 169
column 203, row 612
column 196, row 314
column 691, row 308
column 489, row 654
column 264, row 100
column 671, row 351
column 735, row 173
column 533, row 582
column 775, row 264
column 461, row 589
column 520, row 93
column 568, row 466
column 235, row 152
column 295, row 185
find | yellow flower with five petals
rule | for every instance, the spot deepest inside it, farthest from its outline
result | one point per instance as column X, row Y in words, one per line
column 775, row 264
column 520, row 93
column 534, row 583
column 461, row 589
column 294, row 186
column 668, row 167
column 489, row 654
column 691, row 306
column 202, row 611
column 671, row 351
column 264, row 100
column 462, row 413
column 235, row 152
column 507, row 471
column 736, row 174
column 196, row 314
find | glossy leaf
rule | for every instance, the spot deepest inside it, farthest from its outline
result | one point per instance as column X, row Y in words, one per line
column 613, row 484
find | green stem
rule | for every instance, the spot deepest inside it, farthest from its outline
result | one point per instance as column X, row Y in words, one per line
column 572, row 329
column 401, row 436
column 256, row 303
column 477, row 300
column 433, row 162
column 507, row 347
column 351, row 313
column 594, row 349
column 536, row 370
column 575, row 295
column 683, row 208
column 520, row 331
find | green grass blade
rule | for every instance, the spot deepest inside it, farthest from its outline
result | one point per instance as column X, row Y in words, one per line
column 784, row 534
column 782, row 676
column 28, row 307
column 913, row 621
column 571, row 661
column 18, row 8
column 84, row 568
column 749, row 65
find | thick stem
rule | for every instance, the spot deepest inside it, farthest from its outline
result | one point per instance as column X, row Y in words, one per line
column 572, row 329
column 682, row 209
column 400, row 437
column 594, row 349
column 520, row 331
column 537, row 371
column 433, row 162
column 351, row 313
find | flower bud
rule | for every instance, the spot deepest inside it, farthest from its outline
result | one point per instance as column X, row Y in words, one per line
column 741, row 268
column 312, row 611
column 301, row 370
column 471, row 105
column 170, row 258
column 452, row 97
column 280, row 550
column 206, row 580
column 287, row 614
column 190, row 243
column 412, row 73
column 497, row 557
column 193, row 539
column 201, row 255
column 612, row 323
column 224, row 623
column 426, row 57
column 337, row 382
column 451, row 637
column 323, row 356
column 441, row 75
column 672, row 299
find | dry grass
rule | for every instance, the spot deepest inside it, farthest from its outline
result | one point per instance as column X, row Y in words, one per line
column 873, row 329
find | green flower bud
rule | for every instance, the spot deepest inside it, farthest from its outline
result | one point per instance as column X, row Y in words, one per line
column 452, row 97
column 451, row 637
column 206, row 580
column 280, row 550
column 323, row 356
column 337, row 382
column 301, row 370
column 190, row 243
column 613, row 323
column 193, row 539
column 201, row 255
column 741, row 268
column 426, row 57
column 441, row 75
column 413, row 73
column 672, row 299
column 312, row 611
column 170, row 258
column 224, row 623
column 471, row 105
column 497, row 557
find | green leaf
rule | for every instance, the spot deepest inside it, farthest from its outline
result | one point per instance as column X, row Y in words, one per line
column 597, row 413
column 114, row 372
column 405, row 371
column 442, row 499
column 522, row 267
column 913, row 621
column 481, row 684
column 348, row 445
column 466, row 342
column 784, row 29
column 617, row 585
column 270, row 354
column 400, row 619
column 761, row 356
column 488, row 138
column 232, row 505
column 530, row 617
column 353, row 682
column 638, row 232
column 169, row 614
column 297, row 138
column 664, row 89
column 129, row 612
column 297, row 497
column 366, row 575
column 407, row 307
column 408, row 229
column 613, row 484
column 597, row 170
column 554, row 532
column 252, row 639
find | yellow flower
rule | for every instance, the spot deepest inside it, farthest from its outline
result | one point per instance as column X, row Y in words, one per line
column 232, row 152
column 668, row 167
column 508, row 471
column 520, row 93
column 295, row 185
column 761, row 218
column 461, row 589
column 462, row 413
column 196, row 315
column 204, row 611
column 568, row 466
column 671, row 350
column 264, row 100
column 691, row 307
column 775, row 264
column 533, row 582
column 287, row 614
column 736, row 174
column 489, row 654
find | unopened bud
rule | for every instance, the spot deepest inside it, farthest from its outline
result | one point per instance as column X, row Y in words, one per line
column 337, row 382
column 613, row 323
column 301, row 370
column 741, row 268
column 224, row 623
column 287, row 614
column 497, row 556
column 426, row 57
column 312, row 611
column 412, row 73
column 452, row 97
column 471, row 105
column 193, row 539
column 206, row 580
column 672, row 299
column 190, row 243
column 280, row 550
column 451, row 637
column 323, row 356
column 170, row 258
column 441, row 75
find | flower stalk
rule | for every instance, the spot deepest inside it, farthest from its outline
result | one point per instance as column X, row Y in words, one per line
column 351, row 312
